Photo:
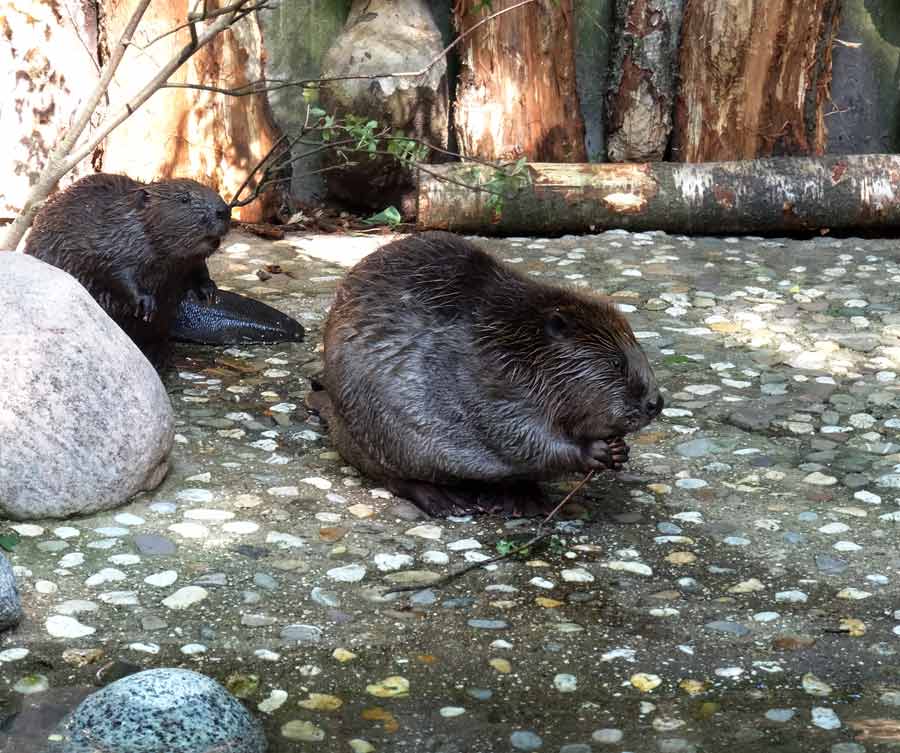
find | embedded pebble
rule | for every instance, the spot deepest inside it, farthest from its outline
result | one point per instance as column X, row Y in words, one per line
column 347, row 573
column 185, row 597
column 525, row 740
column 825, row 718
column 60, row 626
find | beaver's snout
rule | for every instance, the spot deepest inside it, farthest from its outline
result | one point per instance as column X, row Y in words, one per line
column 653, row 404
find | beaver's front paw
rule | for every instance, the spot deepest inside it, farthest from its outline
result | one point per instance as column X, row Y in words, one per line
column 605, row 454
column 618, row 451
column 206, row 292
column 145, row 307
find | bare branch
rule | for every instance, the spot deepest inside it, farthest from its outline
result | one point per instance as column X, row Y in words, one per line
column 256, row 168
column 208, row 34
column 206, row 16
column 271, row 85
column 57, row 164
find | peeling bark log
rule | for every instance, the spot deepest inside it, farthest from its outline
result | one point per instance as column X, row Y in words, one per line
column 774, row 195
column 516, row 94
column 642, row 91
column 208, row 136
column 755, row 77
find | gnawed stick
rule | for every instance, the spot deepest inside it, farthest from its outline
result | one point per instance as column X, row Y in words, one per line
column 539, row 535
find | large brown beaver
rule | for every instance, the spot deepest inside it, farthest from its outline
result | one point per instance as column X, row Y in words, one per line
column 460, row 383
column 137, row 247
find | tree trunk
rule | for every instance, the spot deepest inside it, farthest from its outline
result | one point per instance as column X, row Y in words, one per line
column 516, row 94
column 774, row 195
column 755, row 76
column 386, row 36
column 208, row 136
column 48, row 65
column 642, row 90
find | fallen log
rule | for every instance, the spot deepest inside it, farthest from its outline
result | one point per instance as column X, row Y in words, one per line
column 774, row 195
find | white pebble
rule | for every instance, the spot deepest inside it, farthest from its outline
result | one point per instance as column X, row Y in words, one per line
column 162, row 579
column 565, row 683
column 347, row 573
column 189, row 530
column 388, row 563
column 318, row 482
column 577, row 575
column 463, row 544
column 106, row 575
column 792, row 597
column 834, row 528
column 205, row 513
column 433, row 557
column 825, row 718
column 185, row 597
column 67, row 627
column 200, row 496
column 241, row 527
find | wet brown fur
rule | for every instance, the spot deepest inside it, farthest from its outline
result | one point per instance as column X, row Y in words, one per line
column 138, row 248
column 460, row 383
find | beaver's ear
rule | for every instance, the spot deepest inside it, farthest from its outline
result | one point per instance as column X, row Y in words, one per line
column 556, row 325
column 141, row 197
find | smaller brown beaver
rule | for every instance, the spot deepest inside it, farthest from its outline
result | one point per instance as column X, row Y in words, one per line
column 138, row 248
column 460, row 384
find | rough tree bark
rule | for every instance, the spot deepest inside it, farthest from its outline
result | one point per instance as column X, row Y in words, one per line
column 386, row 36
column 755, row 76
column 772, row 195
column 205, row 135
column 642, row 88
column 516, row 94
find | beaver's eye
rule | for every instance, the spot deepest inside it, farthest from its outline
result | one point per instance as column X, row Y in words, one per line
column 557, row 326
column 185, row 198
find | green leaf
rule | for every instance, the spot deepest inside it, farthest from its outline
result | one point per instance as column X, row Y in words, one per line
column 675, row 360
column 8, row 541
column 317, row 112
column 505, row 546
column 389, row 216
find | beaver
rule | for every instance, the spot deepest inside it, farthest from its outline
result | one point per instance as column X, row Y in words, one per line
column 138, row 248
column 460, row 384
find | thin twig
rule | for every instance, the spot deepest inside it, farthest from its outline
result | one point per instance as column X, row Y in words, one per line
column 539, row 535
column 257, row 167
column 204, row 16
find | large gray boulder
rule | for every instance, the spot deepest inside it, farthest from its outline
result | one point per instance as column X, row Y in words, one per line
column 85, row 422
column 10, row 606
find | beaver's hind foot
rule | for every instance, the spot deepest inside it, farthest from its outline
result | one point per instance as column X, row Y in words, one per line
column 513, row 500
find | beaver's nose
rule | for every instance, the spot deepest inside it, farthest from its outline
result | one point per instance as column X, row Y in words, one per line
column 653, row 404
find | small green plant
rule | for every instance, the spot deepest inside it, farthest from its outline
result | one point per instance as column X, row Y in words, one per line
column 504, row 183
column 390, row 216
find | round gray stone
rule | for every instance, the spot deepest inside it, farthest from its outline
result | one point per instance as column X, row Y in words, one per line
column 525, row 740
column 87, row 421
column 161, row 711
column 10, row 607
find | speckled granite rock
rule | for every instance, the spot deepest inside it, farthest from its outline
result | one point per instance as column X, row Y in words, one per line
column 85, row 422
column 10, row 608
column 161, row 711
